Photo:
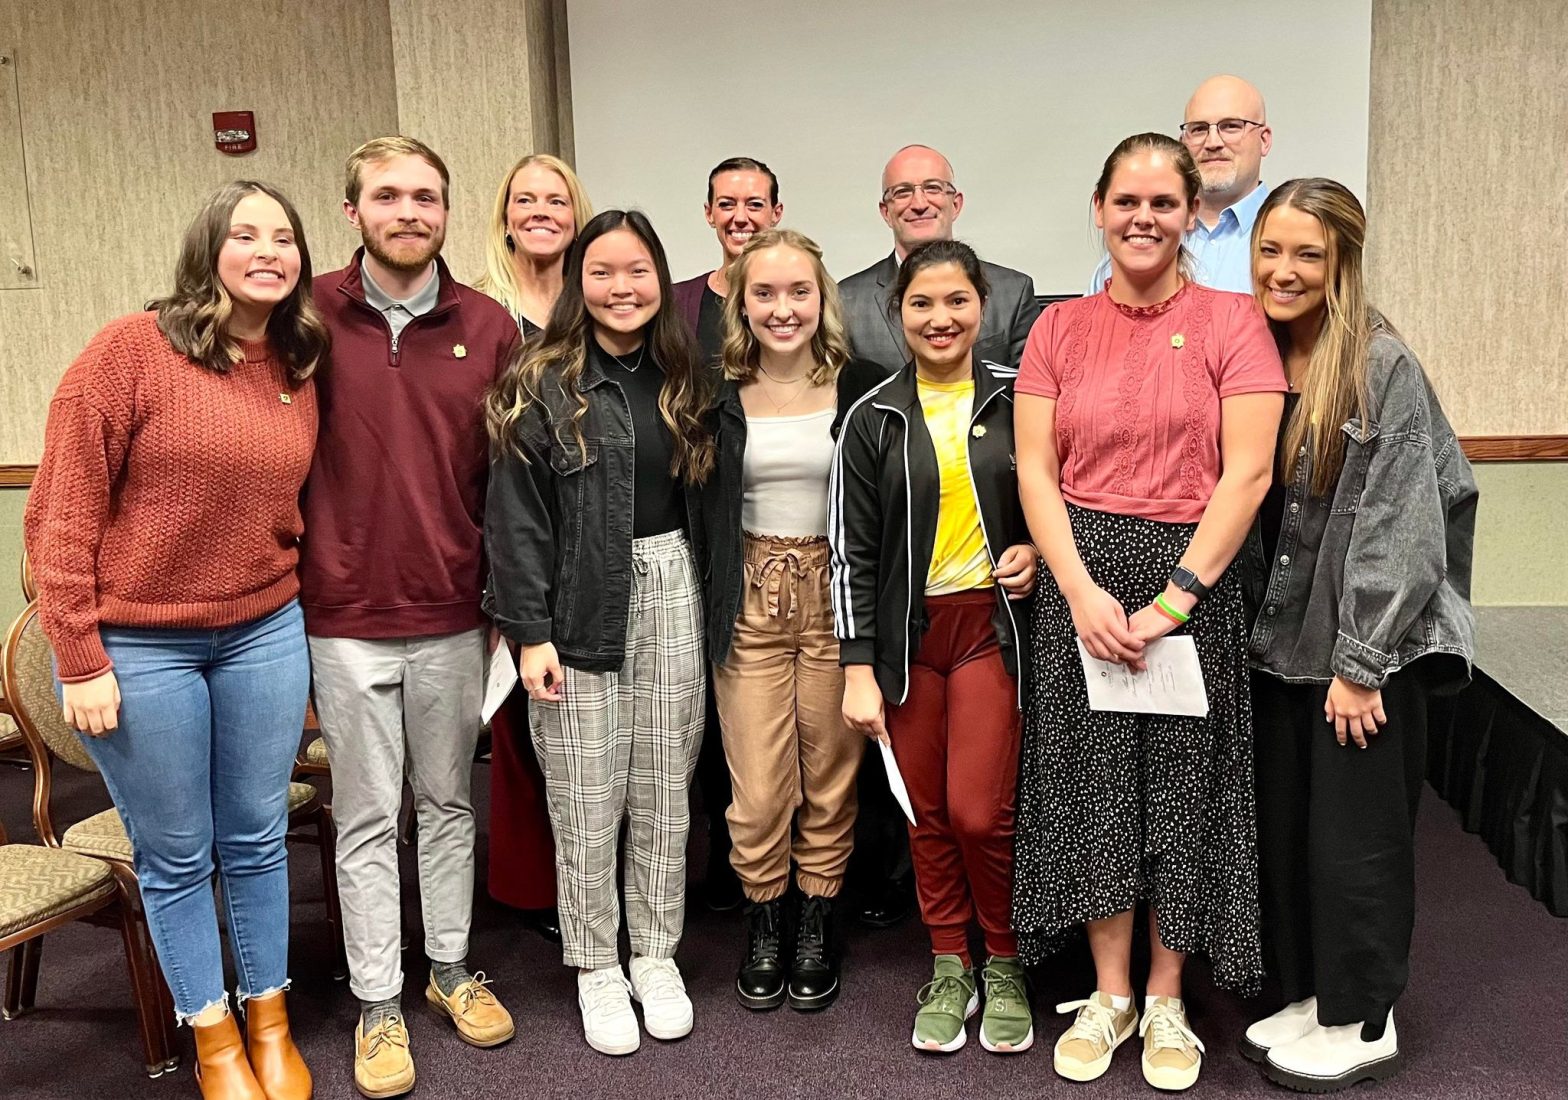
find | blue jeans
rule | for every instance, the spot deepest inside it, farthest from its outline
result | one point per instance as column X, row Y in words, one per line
column 209, row 724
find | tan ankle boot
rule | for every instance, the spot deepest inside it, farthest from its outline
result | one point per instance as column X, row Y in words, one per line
column 222, row 1070
column 273, row 1055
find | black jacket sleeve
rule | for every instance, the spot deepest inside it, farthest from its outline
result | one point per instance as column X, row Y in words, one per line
column 855, row 537
column 520, row 524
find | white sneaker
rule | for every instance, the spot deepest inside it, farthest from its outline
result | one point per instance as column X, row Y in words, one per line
column 1285, row 1026
column 609, row 1024
column 1327, row 1059
column 666, row 1010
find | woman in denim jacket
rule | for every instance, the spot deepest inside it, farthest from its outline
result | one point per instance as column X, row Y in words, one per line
column 1369, row 527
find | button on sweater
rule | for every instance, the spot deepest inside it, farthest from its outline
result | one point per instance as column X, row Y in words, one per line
column 168, row 494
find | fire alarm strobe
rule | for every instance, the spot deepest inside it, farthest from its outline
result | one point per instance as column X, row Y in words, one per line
column 234, row 132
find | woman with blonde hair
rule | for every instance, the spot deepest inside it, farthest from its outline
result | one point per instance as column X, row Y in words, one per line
column 535, row 218
column 163, row 529
column 1368, row 530
column 788, row 382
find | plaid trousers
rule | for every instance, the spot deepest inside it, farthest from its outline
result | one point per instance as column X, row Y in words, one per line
column 622, row 745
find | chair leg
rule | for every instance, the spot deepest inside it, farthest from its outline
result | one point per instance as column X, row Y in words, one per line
column 326, row 839
column 13, row 983
column 142, row 963
column 32, row 955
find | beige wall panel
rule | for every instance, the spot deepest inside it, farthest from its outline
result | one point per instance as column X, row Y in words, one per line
column 1468, row 203
column 468, row 72
column 116, row 112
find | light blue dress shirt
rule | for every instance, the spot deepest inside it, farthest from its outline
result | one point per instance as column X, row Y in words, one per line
column 1224, row 253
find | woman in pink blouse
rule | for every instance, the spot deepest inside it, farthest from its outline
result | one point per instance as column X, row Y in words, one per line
column 1145, row 420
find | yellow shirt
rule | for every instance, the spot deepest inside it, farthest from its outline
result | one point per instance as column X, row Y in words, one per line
column 959, row 562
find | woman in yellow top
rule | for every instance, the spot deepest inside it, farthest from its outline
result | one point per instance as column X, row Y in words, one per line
column 929, row 551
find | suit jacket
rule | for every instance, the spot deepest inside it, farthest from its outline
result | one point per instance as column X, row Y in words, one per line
column 873, row 334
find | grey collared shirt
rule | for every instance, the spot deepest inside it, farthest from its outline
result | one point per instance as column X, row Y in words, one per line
column 400, row 313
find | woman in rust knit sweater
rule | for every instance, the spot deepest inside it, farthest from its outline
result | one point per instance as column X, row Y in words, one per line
column 163, row 530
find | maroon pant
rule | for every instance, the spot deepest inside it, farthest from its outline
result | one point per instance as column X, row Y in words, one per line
column 956, row 741
column 522, row 847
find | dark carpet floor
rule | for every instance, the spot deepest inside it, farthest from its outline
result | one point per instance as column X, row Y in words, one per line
column 1486, row 1014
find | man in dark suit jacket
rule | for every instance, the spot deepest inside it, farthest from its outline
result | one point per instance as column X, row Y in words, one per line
column 919, row 203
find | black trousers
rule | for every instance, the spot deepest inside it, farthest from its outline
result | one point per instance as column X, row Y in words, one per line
column 1336, row 844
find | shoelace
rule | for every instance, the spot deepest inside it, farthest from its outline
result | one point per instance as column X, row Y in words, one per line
column 948, row 993
column 1170, row 1029
column 607, row 993
column 764, row 932
column 1096, row 1023
column 389, row 1032
column 810, row 941
column 1002, row 987
column 661, row 980
column 474, row 990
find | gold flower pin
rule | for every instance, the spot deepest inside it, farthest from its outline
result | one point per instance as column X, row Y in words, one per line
column 285, row 398
column 1178, row 340
column 459, row 351
column 979, row 431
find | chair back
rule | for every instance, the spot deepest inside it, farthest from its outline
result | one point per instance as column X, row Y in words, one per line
column 29, row 689
column 29, row 586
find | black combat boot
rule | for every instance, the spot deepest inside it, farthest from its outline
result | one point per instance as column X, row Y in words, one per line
column 813, row 976
column 760, row 983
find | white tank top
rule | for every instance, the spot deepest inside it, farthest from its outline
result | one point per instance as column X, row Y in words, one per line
column 785, row 475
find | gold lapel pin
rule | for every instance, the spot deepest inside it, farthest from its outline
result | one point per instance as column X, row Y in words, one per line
column 459, row 351
column 1178, row 340
column 285, row 398
column 979, row 431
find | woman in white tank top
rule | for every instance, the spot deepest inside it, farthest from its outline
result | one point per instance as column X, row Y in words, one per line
column 788, row 382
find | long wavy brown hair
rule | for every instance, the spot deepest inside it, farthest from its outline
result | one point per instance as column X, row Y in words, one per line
column 829, row 344
column 554, row 360
column 1334, row 387
column 194, row 316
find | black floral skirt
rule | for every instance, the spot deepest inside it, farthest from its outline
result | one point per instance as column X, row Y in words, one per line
column 1114, row 809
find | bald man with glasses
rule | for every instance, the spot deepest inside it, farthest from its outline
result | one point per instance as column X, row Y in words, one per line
column 1227, row 132
column 919, row 203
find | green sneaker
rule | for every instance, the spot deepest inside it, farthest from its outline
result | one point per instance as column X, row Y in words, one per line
column 1006, row 1026
column 946, row 1001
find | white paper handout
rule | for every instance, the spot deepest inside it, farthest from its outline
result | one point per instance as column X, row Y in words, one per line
column 1171, row 684
column 895, row 781
column 500, row 678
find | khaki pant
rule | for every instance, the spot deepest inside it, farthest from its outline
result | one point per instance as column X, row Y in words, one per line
column 780, row 697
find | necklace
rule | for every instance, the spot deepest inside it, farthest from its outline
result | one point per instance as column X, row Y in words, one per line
column 622, row 363
column 778, row 408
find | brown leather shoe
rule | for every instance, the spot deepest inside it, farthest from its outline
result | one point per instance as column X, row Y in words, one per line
column 481, row 1020
column 383, row 1065
column 273, row 1056
column 222, row 1070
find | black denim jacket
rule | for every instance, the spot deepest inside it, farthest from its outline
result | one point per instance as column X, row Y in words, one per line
column 558, row 528
column 1378, row 576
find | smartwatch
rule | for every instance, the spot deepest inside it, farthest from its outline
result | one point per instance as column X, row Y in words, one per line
column 1186, row 580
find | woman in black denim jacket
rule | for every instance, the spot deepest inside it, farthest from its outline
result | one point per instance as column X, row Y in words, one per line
column 1365, row 612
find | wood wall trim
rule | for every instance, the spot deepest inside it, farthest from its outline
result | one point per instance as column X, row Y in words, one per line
column 1478, row 448
column 1515, row 448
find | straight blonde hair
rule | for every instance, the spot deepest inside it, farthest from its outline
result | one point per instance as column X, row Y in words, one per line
column 500, row 277
column 740, row 354
column 1334, row 387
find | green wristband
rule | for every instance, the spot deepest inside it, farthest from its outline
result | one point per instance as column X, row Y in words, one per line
column 1160, row 602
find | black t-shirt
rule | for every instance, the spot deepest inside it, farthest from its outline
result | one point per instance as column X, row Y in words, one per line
column 1271, row 516
column 658, row 501
column 710, row 325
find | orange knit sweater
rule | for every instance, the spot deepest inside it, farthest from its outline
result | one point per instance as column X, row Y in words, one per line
column 168, row 494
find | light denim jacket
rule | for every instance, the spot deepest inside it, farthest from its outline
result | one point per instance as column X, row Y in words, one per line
column 1365, row 583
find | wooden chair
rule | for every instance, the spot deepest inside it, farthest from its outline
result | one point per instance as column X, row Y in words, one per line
column 13, row 752
column 43, row 888
column 28, row 678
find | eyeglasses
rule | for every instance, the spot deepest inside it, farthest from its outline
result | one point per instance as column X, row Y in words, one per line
column 900, row 193
column 1196, row 133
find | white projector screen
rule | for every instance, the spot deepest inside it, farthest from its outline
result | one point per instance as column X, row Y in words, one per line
column 1025, row 99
